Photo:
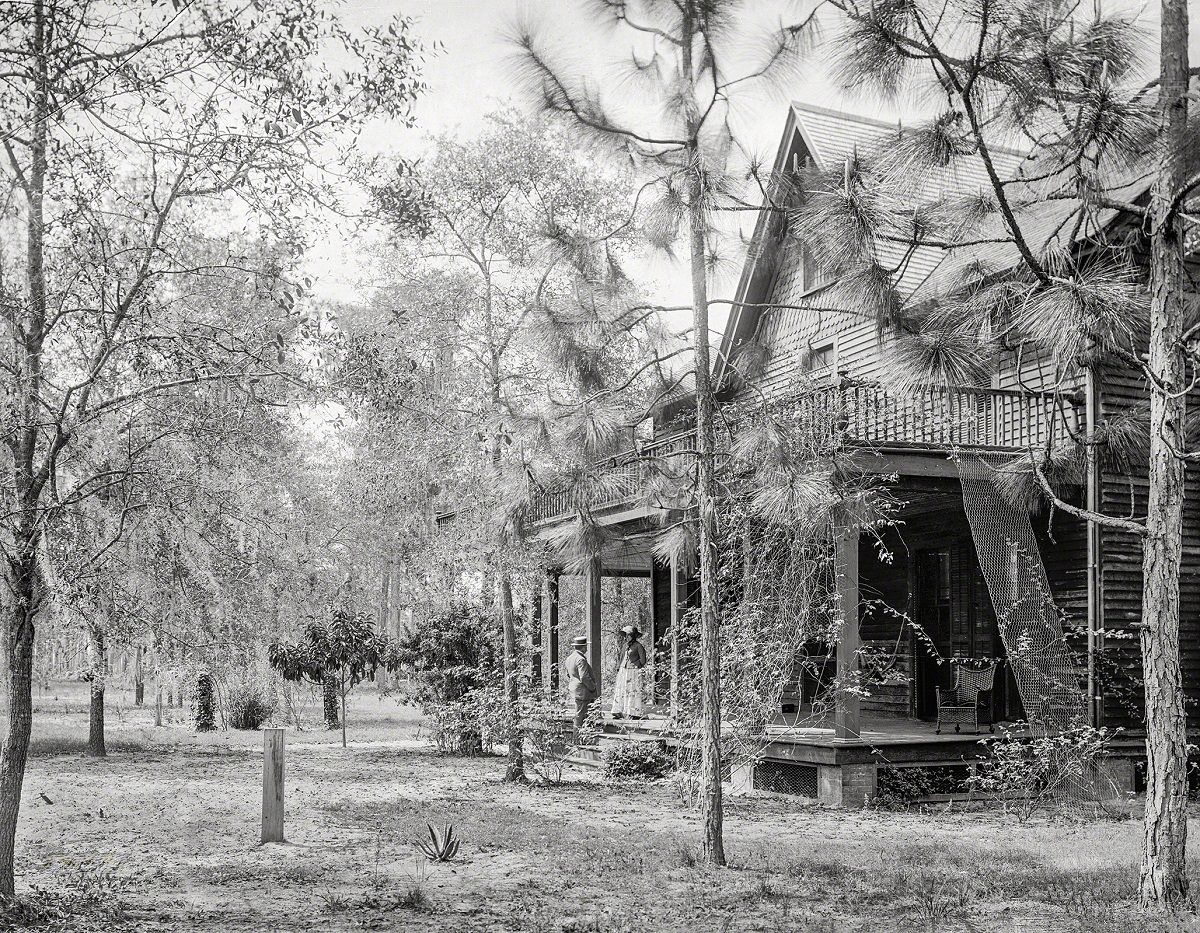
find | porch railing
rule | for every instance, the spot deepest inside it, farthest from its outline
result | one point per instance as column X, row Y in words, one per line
column 930, row 418
column 938, row 417
column 623, row 479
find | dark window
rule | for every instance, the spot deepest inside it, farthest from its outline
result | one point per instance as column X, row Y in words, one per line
column 811, row 274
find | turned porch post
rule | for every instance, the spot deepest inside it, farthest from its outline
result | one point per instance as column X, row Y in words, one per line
column 591, row 609
column 847, row 725
column 553, row 660
column 535, row 634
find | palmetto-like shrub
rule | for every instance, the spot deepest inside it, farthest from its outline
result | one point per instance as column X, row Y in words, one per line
column 441, row 846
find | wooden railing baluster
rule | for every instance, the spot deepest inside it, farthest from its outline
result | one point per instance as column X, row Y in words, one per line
column 867, row 414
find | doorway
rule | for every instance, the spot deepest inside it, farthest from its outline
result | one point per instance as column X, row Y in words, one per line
column 955, row 619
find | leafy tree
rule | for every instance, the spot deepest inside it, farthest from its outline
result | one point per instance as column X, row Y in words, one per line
column 128, row 132
column 494, row 316
column 1046, row 267
column 451, row 653
column 346, row 650
column 687, row 65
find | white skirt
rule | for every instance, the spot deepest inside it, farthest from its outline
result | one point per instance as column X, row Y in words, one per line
column 630, row 691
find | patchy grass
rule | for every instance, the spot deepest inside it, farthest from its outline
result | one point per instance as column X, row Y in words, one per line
column 163, row 835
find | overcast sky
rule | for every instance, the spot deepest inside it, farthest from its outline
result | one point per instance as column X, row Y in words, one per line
column 473, row 76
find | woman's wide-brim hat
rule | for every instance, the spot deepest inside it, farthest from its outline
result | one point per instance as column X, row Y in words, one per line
column 631, row 630
column 579, row 640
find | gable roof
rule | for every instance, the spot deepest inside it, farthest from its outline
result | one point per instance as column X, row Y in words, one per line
column 830, row 137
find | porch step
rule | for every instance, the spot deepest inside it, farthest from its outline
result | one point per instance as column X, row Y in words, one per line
column 614, row 738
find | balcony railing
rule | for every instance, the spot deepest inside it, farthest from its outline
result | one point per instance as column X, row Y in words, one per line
column 929, row 418
column 624, row 478
column 937, row 417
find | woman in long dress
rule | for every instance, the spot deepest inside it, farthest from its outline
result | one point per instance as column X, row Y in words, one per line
column 629, row 690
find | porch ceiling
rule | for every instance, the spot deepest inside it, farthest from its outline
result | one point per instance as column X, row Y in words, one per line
column 915, row 503
column 627, row 557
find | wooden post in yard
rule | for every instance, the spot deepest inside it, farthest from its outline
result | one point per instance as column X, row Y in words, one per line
column 847, row 725
column 272, row 798
column 158, row 705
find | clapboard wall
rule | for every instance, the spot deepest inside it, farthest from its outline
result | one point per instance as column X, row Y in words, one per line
column 1125, row 493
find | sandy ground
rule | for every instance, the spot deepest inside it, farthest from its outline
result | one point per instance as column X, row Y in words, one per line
column 168, row 825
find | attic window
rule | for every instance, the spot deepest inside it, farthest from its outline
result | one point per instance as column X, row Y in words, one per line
column 811, row 273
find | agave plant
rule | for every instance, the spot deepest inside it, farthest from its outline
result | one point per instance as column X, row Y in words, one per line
column 441, row 846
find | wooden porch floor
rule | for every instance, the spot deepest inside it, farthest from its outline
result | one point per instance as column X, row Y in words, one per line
column 800, row 729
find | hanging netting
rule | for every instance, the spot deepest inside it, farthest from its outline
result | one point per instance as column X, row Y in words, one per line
column 1029, row 623
column 1064, row 757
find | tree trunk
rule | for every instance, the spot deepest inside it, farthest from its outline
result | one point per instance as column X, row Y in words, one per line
column 342, row 693
column 98, row 672
column 710, row 634
column 139, row 678
column 24, row 523
column 382, row 618
column 19, row 620
column 1163, row 875
column 501, row 595
column 329, row 696
column 515, row 769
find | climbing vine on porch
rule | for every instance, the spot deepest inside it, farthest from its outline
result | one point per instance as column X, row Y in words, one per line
column 788, row 482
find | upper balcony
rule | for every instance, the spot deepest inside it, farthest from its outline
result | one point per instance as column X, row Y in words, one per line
column 868, row 415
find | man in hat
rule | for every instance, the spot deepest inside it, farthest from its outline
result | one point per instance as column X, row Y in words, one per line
column 581, row 682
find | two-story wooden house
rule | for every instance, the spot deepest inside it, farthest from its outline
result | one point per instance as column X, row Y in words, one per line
column 982, row 578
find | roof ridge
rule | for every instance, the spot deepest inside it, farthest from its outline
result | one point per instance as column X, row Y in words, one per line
column 884, row 124
column 843, row 114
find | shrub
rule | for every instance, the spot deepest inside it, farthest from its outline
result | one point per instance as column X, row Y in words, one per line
column 90, row 898
column 469, row 725
column 636, row 760
column 205, row 706
column 547, row 737
column 453, row 657
column 249, row 706
column 1028, row 773
column 902, row 787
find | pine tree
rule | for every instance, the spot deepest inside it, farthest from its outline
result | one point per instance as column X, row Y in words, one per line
column 1048, row 264
column 686, row 62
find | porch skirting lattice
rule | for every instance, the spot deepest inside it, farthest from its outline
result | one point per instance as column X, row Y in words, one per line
column 782, row 777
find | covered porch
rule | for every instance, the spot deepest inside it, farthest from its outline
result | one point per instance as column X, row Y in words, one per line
column 922, row 604
column 652, row 594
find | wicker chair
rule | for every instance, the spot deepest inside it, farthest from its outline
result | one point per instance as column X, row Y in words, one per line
column 971, row 691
